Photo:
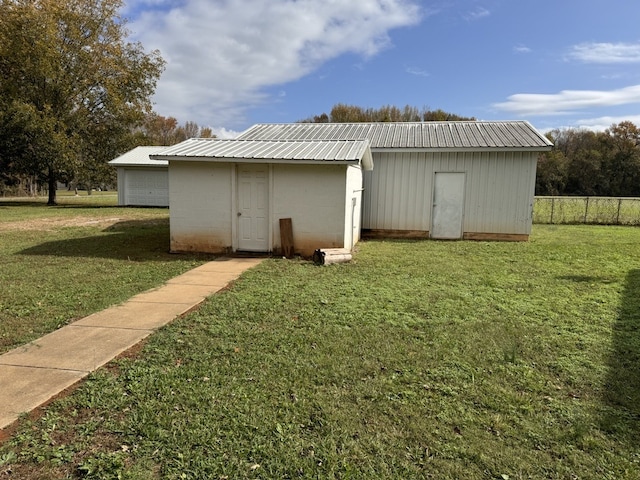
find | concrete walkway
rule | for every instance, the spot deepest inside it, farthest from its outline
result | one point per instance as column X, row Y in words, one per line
column 34, row 373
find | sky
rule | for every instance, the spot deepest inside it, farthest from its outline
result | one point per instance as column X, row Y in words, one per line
column 234, row 63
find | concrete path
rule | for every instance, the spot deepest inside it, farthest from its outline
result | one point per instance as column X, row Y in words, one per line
column 34, row 373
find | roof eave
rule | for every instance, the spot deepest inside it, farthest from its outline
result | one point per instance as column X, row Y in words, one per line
column 141, row 165
column 180, row 158
column 462, row 149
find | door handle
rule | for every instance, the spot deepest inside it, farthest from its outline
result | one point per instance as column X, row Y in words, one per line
column 239, row 214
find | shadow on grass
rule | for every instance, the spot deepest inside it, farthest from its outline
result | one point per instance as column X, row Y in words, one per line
column 65, row 206
column 134, row 240
column 622, row 390
column 586, row 279
column 62, row 204
column 21, row 203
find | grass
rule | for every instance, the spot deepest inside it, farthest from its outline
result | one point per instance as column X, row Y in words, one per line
column 67, row 202
column 63, row 263
column 445, row 360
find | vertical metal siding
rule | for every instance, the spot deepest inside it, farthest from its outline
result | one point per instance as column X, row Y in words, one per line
column 499, row 190
column 121, row 186
column 395, row 192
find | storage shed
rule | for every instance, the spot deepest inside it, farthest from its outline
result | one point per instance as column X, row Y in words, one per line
column 142, row 181
column 444, row 180
column 230, row 195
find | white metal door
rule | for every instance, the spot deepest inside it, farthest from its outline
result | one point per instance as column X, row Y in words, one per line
column 448, row 206
column 253, row 207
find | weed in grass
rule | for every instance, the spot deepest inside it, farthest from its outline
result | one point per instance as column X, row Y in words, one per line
column 102, row 466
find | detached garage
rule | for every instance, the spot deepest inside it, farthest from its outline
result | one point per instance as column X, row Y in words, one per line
column 445, row 180
column 142, row 181
column 230, row 195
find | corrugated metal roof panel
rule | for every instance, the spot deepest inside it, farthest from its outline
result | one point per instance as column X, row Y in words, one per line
column 321, row 150
column 139, row 156
column 424, row 135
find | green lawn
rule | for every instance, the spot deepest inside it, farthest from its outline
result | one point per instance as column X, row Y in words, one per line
column 63, row 263
column 418, row 359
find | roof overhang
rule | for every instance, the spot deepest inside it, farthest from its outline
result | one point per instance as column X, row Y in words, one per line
column 300, row 152
column 140, row 157
column 148, row 164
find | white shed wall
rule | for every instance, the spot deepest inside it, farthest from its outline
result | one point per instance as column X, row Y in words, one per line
column 498, row 198
column 201, row 203
column 317, row 198
column 313, row 197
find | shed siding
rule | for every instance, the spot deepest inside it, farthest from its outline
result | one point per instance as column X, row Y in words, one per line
column 311, row 196
column 201, row 203
column 121, row 183
column 498, row 197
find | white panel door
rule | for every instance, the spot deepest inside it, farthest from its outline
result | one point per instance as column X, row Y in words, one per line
column 253, row 208
column 448, row 206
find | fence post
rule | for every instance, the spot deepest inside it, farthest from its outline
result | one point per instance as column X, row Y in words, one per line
column 618, row 214
column 553, row 203
column 586, row 210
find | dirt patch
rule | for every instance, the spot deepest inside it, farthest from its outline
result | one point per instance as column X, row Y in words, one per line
column 50, row 224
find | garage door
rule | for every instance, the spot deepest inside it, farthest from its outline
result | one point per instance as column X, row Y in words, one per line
column 147, row 188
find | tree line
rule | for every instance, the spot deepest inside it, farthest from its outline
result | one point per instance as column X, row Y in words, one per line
column 74, row 94
column 589, row 163
column 343, row 113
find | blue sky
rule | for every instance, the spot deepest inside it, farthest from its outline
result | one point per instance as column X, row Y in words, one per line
column 233, row 63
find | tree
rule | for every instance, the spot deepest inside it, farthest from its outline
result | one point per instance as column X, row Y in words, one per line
column 342, row 113
column 206, row 132
column 29, row 138
column 583, row 162
column 159, row 130
column 622, row 168
column 552, row 173
column 72, row 88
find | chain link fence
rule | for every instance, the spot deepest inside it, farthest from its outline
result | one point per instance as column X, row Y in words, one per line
column 594, row 210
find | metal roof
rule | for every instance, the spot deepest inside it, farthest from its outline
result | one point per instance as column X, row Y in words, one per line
column 341, row 151
column 139, row 157
column 518, row 135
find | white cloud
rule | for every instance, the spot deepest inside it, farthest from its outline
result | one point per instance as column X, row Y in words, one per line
column 417, row 71
column 567, row 101
column 221, row 132
column 221, row 55
column 477, row 14
column 606, row 52
column 521, row 49
column 602, row 123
